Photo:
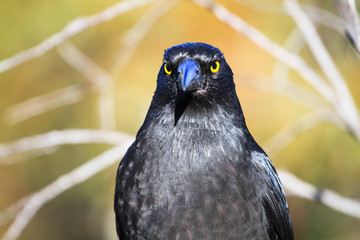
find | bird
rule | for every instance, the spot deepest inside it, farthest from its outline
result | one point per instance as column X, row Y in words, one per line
column 194, row 170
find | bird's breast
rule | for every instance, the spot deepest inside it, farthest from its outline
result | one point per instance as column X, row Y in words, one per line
column 190, row 146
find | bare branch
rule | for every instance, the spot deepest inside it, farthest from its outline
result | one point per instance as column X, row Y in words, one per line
column 316, row 14
column 76, row 176
column 10, row 212
column 289, row 90
column 83, row 64
column 327, row 197
column 345, row 106
column 323, row 17
column 25, row 156
column 320, row 111
column 348, row 11
column 96, row 75
column 99, row 76
column 264, row 6
column 106, row 105
column 271, row 47
column 284, row 137
column 74, row 27
column 294, row 42
column 138, row 32
column 41, row 104
column 56, row 138
column 342, row 101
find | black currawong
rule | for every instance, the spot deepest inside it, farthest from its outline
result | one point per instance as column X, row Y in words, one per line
column 194, row 170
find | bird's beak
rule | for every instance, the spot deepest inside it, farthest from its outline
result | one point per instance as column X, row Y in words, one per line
column 190, row 78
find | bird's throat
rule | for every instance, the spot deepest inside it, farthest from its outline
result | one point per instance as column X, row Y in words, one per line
column 182, row 101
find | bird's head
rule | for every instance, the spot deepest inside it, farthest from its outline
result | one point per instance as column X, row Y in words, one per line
column 194, row 69
column 194, row 74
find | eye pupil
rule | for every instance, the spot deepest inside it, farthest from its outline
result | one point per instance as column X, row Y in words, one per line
column 215, row 67
column 167, row 69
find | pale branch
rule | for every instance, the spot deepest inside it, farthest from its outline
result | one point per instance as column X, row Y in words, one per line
column 84, row 65
column 348, row 11
column 323, row 17
column 99, row 77
column 342, row 101
column 37, row 200
column 302, row 124
column 261, row 5
column 25, row 156
column 316, row 14
column 44, row 103
column 294, row 42
column 11, row 211
column 56, row 138
column 74, row 27
column 137, row 33
column 96, row 75
column 320, row 111
column 300, row 188
column 280, row 53
column 106, row 105
column 289, row 90
column 347, row 112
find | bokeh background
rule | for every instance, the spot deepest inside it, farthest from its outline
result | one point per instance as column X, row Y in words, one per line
column 325, row 155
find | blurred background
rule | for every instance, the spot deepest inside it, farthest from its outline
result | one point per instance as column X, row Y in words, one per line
column 104, row 78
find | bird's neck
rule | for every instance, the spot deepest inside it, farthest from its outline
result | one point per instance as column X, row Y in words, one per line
column 200, row 138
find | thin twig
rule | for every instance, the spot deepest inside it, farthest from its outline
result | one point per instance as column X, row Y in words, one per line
column 348, row 11
column 44, row 103
column 99, row 77
column 302, row 124
column 76, row 176
column 56, row 138
column 320, row 112
column 271, row 47
column 25, row 156
column 316, row 14
column 138, row 32
column 294, row 42
column 11, row 211
column 323, row 17
column 289, row 90
column 302, row 189
column 96, row 75
column 83, row 64
column 264, row 6
column 342, row 101
column 74, row 27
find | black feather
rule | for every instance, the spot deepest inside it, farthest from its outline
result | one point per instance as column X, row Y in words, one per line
column 194, row 170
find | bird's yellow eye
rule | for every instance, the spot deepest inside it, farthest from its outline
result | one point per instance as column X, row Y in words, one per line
column 167, row 69
column 215, row 67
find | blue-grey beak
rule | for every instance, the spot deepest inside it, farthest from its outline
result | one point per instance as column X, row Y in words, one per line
column 190, row 78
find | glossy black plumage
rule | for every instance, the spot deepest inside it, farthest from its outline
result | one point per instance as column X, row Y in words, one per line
column 194, row 170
